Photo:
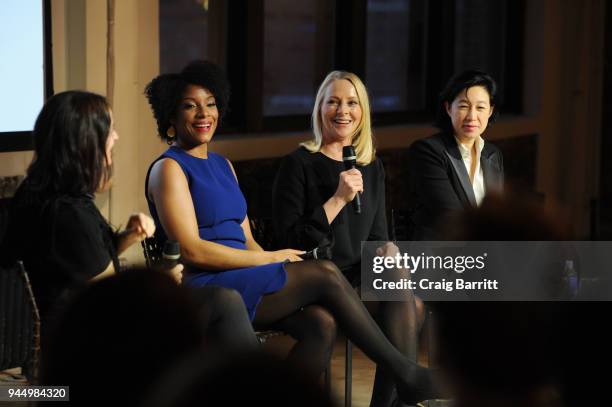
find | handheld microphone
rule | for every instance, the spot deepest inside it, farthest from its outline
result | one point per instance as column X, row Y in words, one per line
column 321, row 252
column 170, row 255
column 350, row 161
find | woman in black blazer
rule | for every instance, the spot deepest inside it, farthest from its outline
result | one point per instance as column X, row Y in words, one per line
column 454, row 169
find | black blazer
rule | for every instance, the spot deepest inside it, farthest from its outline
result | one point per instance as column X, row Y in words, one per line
column 439, row 183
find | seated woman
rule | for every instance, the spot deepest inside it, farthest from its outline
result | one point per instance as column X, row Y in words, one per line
column 58, row 232
column 55, row 227
column 194, row 198
column 312, row 196
column 454, row 169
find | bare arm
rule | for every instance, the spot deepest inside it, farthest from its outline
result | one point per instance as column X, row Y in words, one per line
column 108, row 271
column 169, row 191
column 138, row 228
column 251, row 244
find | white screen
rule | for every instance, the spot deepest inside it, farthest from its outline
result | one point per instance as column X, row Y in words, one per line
column 21, row 64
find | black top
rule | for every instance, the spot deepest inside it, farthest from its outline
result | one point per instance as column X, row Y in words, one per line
column 63, row 242
column 439, row 184
column 305, row 181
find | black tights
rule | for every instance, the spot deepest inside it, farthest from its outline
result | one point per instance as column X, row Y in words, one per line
column 321, row 283
column 314, row 329
column 400, row 322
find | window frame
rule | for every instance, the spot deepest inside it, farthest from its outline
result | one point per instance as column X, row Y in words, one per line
column 242, row 51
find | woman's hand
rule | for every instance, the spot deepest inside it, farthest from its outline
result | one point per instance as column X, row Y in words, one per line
column 285, row 254
column 176, row 273
column 349, row 184
column 138, row 228
column 389, row 249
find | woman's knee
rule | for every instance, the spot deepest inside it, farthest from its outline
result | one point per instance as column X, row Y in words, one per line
column 222, row 297
column 330, row 272
column 321, row 323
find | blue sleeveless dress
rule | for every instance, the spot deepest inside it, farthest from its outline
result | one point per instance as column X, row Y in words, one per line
column 220, row 208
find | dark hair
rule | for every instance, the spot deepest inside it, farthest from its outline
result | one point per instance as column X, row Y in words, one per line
column 140, row 321
column 70, row 136
column 165, row 91
column 458, row 83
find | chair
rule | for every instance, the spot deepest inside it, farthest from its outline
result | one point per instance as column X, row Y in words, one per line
column 19, row 322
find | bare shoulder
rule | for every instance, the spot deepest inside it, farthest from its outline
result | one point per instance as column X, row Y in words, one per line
column 231, row 167
column 165, row 166
column 166, row 174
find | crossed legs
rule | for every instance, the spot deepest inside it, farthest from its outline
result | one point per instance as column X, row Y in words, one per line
column 321, row 283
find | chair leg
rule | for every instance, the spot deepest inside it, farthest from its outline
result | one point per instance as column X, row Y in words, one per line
column 432, row 356
column 327, row 375
column 348, row 374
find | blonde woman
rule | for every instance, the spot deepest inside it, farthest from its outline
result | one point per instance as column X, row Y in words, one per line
column 312, row 196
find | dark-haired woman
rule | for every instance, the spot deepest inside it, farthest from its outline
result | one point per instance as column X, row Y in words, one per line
column 55, row 226
column 456, row 168
column 194, row 197
column 61, row 236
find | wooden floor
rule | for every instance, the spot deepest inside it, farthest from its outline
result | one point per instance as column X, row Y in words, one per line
column 362, row 372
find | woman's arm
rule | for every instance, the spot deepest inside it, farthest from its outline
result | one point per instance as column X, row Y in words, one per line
column 429, row 177
column 169, row 191
column 290, row 199
column 138, row 228
column 379, row 230
column 80, row 241
column 250, row 243
column 108, row 271
column 349, row 184
column 299, row 221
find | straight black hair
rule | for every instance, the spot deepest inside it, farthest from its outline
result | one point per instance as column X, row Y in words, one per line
column 458, row 84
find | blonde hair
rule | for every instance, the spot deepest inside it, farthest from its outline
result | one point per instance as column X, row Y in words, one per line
column 363, row 139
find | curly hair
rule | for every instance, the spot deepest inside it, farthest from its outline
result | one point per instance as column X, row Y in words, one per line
column 165, row 91
column 456, row 85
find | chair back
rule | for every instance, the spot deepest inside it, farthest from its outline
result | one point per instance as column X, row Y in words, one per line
column 152, row 251
column 19, row 322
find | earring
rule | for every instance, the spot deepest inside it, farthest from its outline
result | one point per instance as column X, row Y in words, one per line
column 170, row 132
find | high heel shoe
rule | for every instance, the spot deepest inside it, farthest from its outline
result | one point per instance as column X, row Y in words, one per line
column 422, row 387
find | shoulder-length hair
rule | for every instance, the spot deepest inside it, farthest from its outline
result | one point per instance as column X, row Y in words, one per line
column 70, row 137
column 363, row 139
column 455, row 85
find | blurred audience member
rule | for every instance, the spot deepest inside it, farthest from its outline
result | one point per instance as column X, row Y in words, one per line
column 121, row 333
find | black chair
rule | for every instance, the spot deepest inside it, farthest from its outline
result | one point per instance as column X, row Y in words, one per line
column 19, row 322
